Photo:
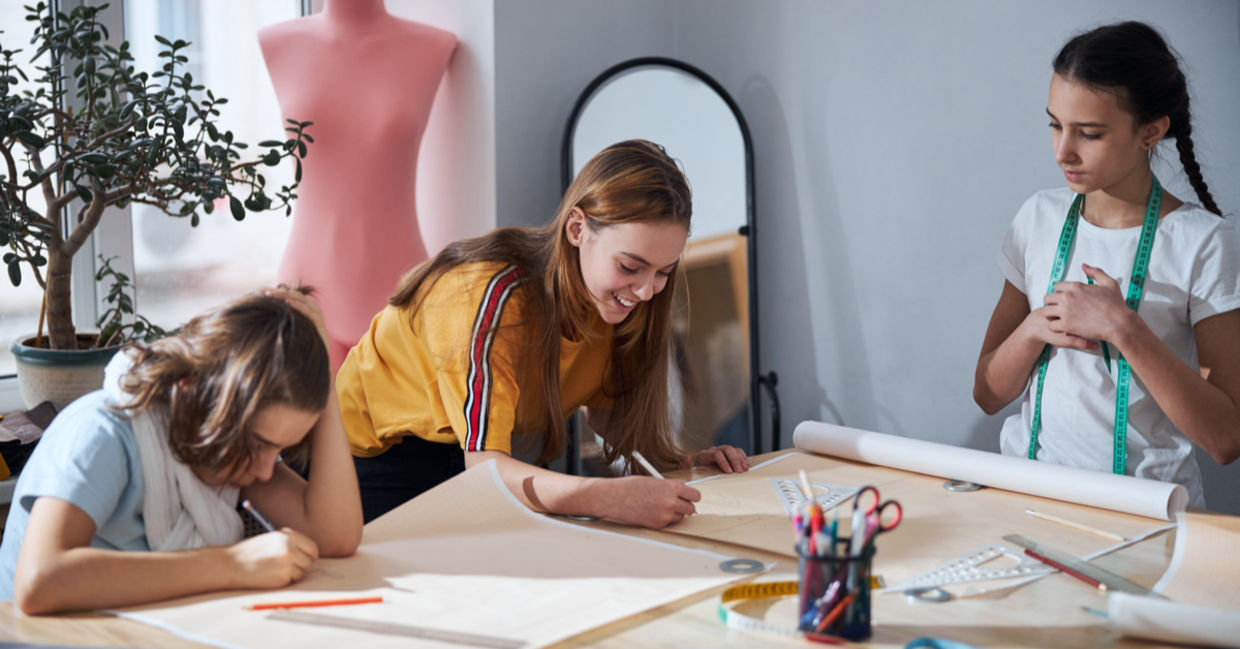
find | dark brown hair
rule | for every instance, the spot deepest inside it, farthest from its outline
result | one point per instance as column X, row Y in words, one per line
column 629, row 182
column 221, row 369
column 1132, row 61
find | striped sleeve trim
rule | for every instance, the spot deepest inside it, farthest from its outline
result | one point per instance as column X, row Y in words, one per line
column 486, row 323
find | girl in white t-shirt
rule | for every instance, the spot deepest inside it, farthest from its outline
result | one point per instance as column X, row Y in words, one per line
column 1119, row 322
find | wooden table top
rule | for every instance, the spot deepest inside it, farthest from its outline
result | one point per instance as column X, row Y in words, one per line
column 694, row 621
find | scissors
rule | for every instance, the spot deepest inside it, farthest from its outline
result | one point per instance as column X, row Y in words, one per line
column 868, row 513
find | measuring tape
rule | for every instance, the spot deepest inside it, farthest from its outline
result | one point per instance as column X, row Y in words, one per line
column 1136, row 285
column 755, row 591
column 762, row 590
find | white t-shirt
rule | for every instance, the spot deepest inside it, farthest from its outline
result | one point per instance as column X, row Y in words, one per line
column 1194, row 273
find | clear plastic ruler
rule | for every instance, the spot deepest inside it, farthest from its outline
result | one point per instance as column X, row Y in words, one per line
column 789, row 491
column 972, row 567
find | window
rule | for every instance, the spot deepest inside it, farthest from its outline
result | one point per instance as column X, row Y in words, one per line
column 180, row 270
column 19, row 310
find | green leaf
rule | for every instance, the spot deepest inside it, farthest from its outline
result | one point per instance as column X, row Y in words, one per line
column 270, row 143
column 31, row 139
column 272, row 158
column 15, row 273
column 238, row 210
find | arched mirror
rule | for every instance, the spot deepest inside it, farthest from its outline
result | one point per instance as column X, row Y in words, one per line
column 715, row 384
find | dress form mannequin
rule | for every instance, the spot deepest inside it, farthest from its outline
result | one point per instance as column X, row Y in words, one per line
column 367, row 80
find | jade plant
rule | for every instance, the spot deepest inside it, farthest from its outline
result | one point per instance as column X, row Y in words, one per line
column 87, row 132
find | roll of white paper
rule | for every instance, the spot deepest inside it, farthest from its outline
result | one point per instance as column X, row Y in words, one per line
column 1160, row 619
column 1122, row 493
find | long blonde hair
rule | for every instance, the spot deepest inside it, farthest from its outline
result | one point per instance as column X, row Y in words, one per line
column 634, row 181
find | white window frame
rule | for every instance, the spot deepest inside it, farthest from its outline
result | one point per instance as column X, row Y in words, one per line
column 114, row 236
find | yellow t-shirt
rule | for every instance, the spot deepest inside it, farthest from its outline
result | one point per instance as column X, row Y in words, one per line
column 448, row 372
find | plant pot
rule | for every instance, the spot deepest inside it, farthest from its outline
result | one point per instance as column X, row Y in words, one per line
column 59, row 375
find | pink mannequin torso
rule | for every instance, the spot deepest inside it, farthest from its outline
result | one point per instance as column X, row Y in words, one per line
column 367, row 80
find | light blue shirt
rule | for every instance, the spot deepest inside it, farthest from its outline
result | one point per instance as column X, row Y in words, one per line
column 89, row 458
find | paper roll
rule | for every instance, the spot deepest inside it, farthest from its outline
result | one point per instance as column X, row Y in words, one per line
column 1122, row 493
column 1160, row 619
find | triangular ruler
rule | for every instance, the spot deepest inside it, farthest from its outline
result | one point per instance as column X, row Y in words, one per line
column 972, row 567
column 827, row 495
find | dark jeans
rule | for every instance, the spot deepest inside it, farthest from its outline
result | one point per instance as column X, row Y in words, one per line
column 404, row 471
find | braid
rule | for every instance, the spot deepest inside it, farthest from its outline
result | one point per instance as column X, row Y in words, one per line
column 1184, row 143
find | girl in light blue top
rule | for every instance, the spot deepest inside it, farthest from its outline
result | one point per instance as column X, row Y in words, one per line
column 131, row 496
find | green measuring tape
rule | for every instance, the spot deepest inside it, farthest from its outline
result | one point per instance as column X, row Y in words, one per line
column 1136, row 284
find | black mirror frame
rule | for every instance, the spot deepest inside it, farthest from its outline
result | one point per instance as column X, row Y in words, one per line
column 757, row 380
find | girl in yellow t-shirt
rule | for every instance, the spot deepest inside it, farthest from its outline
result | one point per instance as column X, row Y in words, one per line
column 509, row 333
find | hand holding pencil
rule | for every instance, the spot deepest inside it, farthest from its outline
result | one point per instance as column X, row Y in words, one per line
column 272, row 560
column 639, row 500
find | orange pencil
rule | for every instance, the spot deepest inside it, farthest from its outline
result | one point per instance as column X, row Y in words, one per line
column 839, row 609
column 314, row 602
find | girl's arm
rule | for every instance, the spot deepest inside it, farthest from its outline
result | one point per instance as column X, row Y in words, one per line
column 729, row 459
column 1203, row 405
column 635, row 500
column 1014, row 340
column 58, row 571
column 327, row 507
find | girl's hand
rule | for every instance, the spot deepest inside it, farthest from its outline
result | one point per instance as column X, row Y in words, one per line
column 1048, row 330
column 304, row 304
column 728, row 458
column 1091, row 311
column 649, row 502
column 272, row 560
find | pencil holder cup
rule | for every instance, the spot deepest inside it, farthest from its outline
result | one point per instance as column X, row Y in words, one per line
column 834, row 593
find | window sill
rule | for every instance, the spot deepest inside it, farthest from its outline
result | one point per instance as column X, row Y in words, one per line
column 10, row 395
column 10, row 400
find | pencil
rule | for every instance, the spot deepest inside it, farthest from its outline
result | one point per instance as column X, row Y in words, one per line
column 1074, row 525
column 807, row 489
column 1066, row 570
column 314, row 602
column 647, row 465
column 262, row 520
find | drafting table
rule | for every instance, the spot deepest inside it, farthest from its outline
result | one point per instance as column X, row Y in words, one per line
column 1047, row 612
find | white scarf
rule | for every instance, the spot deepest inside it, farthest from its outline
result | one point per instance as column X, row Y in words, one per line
column 179, row 510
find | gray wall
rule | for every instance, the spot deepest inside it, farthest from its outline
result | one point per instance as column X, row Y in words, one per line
column 894, row 142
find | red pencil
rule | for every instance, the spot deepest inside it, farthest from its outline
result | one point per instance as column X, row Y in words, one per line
column 1066, row 570
column 314, row 602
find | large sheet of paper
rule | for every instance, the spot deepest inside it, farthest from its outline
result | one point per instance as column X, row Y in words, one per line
column 745, row 509
column 1096, row 489
column 1203, row 605
column 463, row 557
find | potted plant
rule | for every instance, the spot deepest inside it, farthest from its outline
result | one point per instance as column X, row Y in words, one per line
column 93, row 134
